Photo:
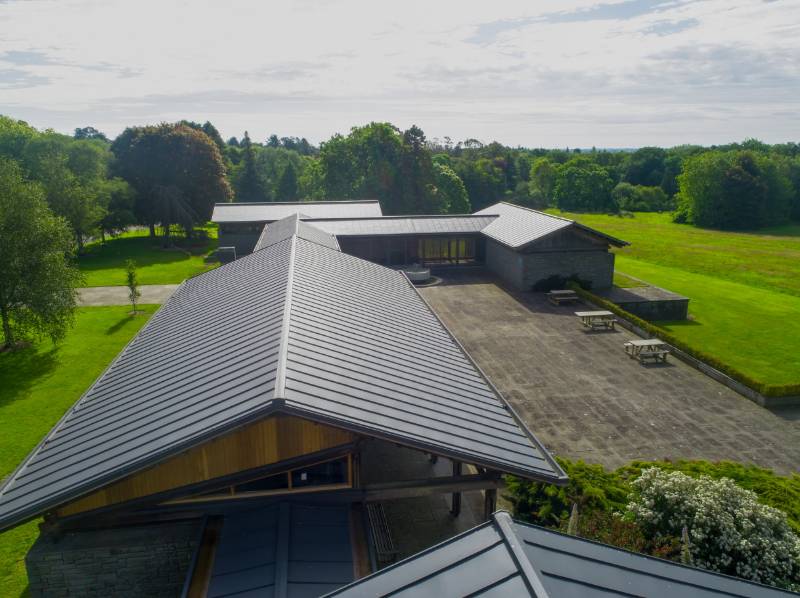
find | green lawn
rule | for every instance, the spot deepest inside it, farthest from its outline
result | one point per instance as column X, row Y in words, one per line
column 769, row 259
column 103, row 264
column 37, row 385
column 744, row 288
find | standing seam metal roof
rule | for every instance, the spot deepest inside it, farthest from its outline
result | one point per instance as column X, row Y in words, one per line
column 295, row 328
column 293, row 225
column 403, row 225
column 272, row 211
column 517, row 227
column 504, row 557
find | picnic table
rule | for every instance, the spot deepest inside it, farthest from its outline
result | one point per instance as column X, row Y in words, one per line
column 597, row 319
column 559, row 296
column 644, row 349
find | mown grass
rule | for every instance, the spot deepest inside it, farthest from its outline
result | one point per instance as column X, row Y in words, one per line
column 744, row 288
column 767, row 259
column 37, row 385
column 103, row 264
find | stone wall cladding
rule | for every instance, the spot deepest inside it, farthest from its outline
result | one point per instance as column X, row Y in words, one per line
column 594, row 266
column 658, row 310
column 505, row 262
column 147, row 560
column 523, row 270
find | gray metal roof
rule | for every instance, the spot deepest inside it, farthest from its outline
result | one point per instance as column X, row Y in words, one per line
column 286, row 549
column 295, row 328
column 518, row 227
column 404, row 225
column 281, row 230
column 504, row 557
column 272, row 211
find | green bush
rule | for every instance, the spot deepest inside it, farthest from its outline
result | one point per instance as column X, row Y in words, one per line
column 593, row 487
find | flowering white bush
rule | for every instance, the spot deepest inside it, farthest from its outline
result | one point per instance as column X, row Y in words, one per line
column 729, row 530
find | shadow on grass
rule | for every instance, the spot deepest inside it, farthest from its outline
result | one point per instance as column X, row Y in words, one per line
column 678, row 323
column 145, row 251
column 116, row 326
column 21, row 369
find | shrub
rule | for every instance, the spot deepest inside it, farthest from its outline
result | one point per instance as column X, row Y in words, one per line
column 591, row 487
column 730, row 531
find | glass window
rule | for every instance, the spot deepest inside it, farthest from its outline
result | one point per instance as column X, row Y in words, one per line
column 275, row 482
column 322, row 474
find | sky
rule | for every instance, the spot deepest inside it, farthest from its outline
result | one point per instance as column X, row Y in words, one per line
column 560, row 73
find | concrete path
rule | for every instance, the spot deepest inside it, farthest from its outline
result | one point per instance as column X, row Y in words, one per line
column 97, row 296
column 585, row 399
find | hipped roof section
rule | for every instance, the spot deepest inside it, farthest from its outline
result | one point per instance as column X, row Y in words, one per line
column 504, row 557
column 296, row 328
column 518, row 227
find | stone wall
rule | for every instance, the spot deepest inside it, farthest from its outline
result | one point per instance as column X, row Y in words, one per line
column 523, row 270
column 147, row 560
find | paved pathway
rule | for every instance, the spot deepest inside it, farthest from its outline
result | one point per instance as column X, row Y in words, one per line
column 97, row 296
column 584, row 398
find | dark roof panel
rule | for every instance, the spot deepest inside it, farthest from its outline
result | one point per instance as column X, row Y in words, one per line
column 286, row 549
column 517, row 227
column 271, row 211
column 332, row 337
column 507, row 558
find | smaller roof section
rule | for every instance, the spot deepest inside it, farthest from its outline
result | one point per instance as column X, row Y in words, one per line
column 404, row 225
column 517, row 227
column 504, row 557
column 275, row 210
column 283, row 229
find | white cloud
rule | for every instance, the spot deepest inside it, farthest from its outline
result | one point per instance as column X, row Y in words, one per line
column 574, row 72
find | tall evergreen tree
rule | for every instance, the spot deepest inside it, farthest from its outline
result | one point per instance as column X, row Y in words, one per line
column 248, row 183
column 287, row 184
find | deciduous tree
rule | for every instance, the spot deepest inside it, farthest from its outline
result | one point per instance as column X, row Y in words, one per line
column 37, row 278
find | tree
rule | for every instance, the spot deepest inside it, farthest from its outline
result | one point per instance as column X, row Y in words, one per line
column 248, row 184
column 37, row 279
column 583, row 187
column 450, row 187
column 119, row 200
column 287, row 184
column 645, row 167
column 733, row 190
column 416, row 175
column 132, row 283
column 543, row 179
column 175, row 156
column 89, row 133
column 638, row 198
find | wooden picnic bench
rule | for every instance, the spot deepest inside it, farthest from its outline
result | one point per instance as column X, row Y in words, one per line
column 597, row 319
column 647, row 349
column 557, row 297
column 385, row 550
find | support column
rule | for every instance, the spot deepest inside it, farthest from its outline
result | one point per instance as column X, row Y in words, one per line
column 455, row 509
column 489, row 503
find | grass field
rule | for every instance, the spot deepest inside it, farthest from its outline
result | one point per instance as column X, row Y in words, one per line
column 37, row 385
column 103, row 264
column 744, row 288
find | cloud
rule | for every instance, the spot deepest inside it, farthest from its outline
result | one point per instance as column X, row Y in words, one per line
column 19, row 79
column 576, row 72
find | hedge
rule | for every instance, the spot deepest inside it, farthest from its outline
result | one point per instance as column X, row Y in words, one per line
column 768, row 390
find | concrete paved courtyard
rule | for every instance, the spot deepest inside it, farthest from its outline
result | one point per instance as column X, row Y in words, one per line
column 585, row 399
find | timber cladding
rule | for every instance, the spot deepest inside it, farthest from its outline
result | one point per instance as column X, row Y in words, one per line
column 271, row 440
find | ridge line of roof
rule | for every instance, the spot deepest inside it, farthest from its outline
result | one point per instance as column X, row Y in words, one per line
column 562, row 478
column 279, row 392
column 503, row 522
column 399, row 217
column 293, row 203
column 513, row 205
column 5, row 483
